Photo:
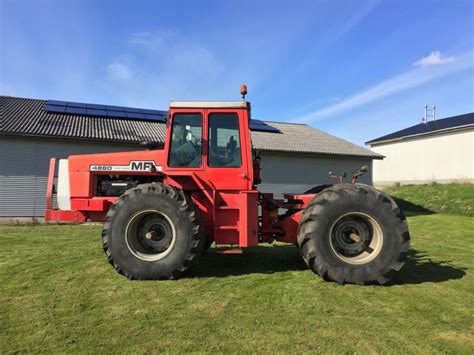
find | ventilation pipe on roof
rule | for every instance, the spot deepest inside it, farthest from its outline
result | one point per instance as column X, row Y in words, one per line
column 434, row 112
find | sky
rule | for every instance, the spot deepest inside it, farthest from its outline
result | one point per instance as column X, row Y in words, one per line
column 355, row 69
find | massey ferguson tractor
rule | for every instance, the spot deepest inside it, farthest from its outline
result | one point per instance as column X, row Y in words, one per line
column 163, row 207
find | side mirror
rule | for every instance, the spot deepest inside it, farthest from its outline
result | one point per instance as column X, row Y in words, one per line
column 256, row 155
column 167, row 119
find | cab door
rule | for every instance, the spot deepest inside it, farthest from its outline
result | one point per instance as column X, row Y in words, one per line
column 227, row 164
column 185, row 140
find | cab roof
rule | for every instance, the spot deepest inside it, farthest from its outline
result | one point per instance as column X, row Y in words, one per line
column 209, row 104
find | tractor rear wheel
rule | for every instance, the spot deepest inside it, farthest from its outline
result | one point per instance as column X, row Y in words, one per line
column 153, row 231
column 353, row 234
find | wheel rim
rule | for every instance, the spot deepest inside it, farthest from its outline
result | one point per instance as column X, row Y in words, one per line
column 356, row 238
column 150, row 235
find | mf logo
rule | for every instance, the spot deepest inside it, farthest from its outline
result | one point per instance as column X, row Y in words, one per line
column 142, row 165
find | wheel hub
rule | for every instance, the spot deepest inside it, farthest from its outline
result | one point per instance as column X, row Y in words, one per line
column 155, row 233
column 351, row 236
column 356, row 238
column 150, row 235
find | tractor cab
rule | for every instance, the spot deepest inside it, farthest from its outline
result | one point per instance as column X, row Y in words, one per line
column 208, row 153
column 210, row 140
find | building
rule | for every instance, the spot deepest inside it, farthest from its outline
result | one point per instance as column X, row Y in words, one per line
column 294, row 159
column 435, row 151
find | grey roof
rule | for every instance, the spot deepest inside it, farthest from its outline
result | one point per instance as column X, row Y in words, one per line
column 26, row 117
column 301, row 138
column 444, row 124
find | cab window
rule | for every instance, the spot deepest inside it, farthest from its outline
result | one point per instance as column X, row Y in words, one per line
column 224, row 140
column 186, row 140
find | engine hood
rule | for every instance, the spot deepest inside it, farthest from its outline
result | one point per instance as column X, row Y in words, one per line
column 135, row 161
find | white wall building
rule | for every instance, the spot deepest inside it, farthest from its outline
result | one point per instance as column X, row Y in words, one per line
column 436, row 151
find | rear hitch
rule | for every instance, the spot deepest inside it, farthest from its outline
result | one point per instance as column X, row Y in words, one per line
column 355, row 175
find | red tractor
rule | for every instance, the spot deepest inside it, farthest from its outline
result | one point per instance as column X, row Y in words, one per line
column 162, row 208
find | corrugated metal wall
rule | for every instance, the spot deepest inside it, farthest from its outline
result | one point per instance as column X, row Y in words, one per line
column 296, row 173
column 24, row 165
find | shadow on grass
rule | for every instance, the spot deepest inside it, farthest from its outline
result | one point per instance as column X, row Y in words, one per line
column 420, row 268
column 410, row 208
column 260, row 260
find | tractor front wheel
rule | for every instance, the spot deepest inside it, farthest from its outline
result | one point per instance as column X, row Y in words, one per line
column 153, row 231
column 353, row 234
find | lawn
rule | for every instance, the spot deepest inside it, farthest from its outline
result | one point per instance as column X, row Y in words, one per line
column 59, row 294
column 435, row 198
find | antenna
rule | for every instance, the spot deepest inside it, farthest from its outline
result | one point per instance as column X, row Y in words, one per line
column 429, row 112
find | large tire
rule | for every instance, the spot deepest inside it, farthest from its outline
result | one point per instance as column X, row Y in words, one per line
column 353, row 234
column 153, row 231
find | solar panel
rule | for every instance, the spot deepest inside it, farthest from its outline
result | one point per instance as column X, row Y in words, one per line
column 96, row 107
column 430, row 126
column 131, row 109
column 57, row 109
column 76, row 110
column 151, row 117
column 114, row 108
column 76, row 104
column 135, row 115
column 257, row 125
column 57, row 103
column 93, row 112
column 114, row 114
column 110, row 111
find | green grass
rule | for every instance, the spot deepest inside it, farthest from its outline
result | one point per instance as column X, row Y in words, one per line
column 439, row 198
column 58, row 294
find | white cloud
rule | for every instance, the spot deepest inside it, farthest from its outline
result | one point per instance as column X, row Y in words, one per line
column 401, row 82
column 119, row 71
column 434, row 58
